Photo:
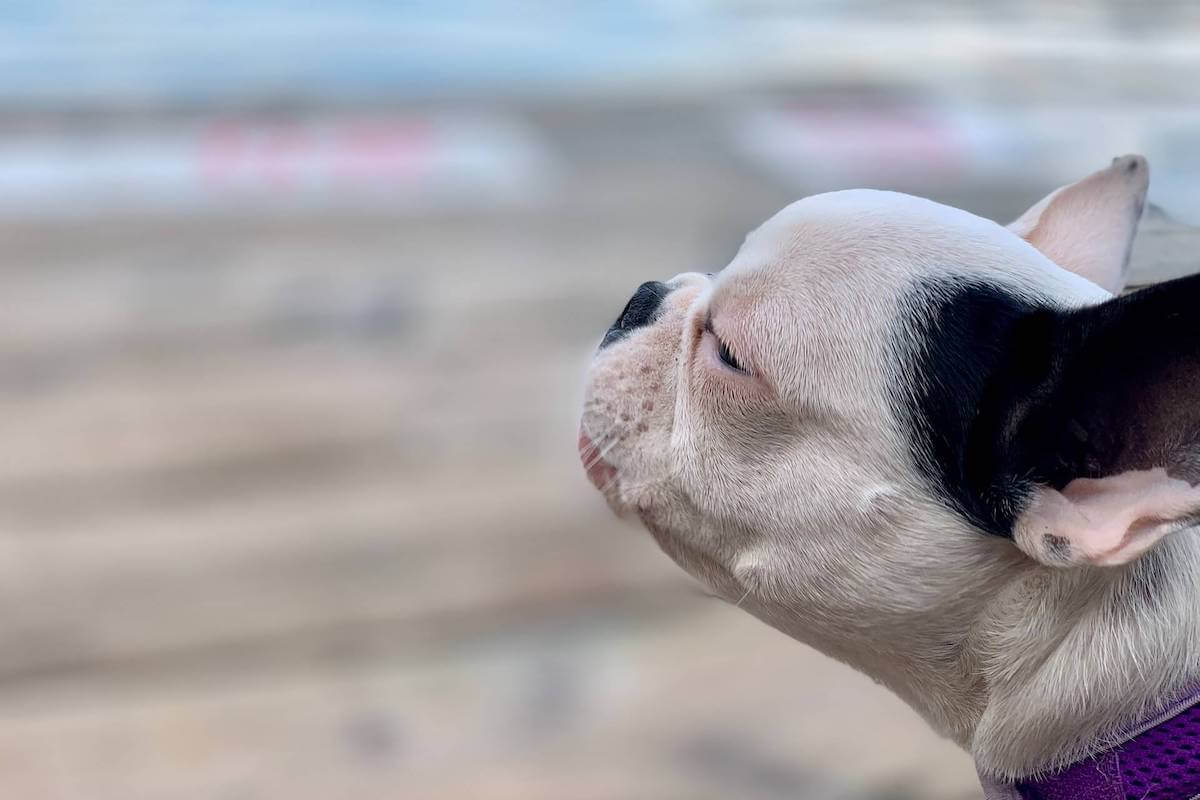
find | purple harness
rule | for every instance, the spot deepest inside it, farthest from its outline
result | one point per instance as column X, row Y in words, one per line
column 1159, row 761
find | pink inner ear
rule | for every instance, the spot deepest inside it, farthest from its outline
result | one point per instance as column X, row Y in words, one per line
column 1087, row 227
column 1104, row 521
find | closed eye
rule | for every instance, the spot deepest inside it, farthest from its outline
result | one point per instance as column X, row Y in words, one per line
column 724, row 353
column 727, row 356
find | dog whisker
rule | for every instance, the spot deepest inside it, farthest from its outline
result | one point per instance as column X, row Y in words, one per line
column 594, row 442
column 594, row 447
column 600, row 454
column 608, row 484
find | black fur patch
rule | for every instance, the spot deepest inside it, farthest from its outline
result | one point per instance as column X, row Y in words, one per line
column 964, row 333
column 1007, row 393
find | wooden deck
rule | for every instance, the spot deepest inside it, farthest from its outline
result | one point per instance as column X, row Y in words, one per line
column 290, row 508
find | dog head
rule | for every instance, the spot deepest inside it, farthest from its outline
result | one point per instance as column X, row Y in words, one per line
column 882, row 400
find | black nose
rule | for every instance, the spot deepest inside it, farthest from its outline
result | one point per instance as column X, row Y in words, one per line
column 640, row 310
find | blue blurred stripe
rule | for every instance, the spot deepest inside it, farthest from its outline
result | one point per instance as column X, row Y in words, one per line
column 81, row 49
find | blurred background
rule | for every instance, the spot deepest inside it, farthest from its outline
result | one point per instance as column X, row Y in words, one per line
column 297, row 299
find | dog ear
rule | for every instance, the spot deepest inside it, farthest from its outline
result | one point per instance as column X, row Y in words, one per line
column 1088, row 227
column 1090, row 427
column 1105, row 521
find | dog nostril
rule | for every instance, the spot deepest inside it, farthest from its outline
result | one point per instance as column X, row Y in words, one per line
column 641, row 310
column 641, row 307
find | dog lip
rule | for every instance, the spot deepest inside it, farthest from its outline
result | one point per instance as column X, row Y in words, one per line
column 599, row 471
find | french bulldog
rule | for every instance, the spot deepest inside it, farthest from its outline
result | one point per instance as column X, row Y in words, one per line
column 936, row 448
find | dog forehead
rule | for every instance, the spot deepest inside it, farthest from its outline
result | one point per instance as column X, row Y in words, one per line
column 872, row 245
column 806, row 261
column 836, row 230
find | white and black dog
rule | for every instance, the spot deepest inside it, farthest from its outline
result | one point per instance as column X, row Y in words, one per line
column 935, row 448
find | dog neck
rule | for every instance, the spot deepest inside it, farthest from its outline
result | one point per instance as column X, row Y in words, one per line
column 1027, row 666
column 1041, row 666
column 1067, row 658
